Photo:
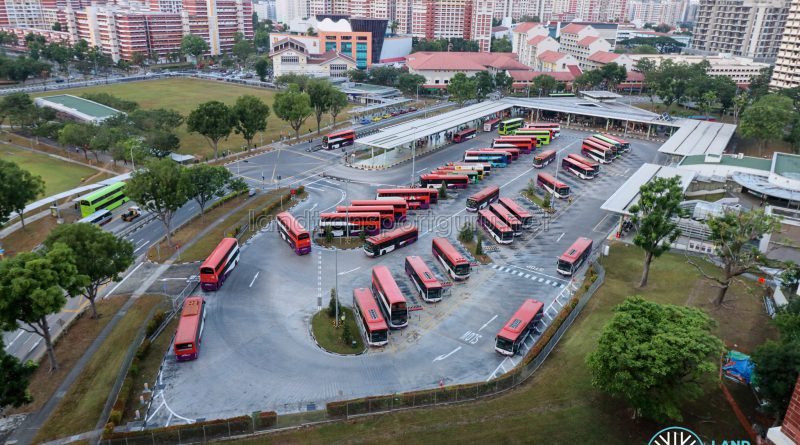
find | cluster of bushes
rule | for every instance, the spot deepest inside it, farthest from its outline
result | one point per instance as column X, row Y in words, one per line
column 200, row 431
column 155, row 322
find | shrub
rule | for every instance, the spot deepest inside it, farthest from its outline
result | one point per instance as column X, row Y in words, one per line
column 466, row 234
column 115, row 418
column 332, row 304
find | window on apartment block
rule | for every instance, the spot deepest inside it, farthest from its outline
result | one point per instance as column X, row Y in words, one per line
column 290, row 60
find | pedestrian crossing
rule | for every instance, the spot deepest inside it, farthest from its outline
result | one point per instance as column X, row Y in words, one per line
column 530, row 276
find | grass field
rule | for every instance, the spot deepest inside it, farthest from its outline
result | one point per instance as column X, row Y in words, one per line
column 58, row 175
column 185, row 94
column 330, row 338
column 35, row 232
column 558, row 405
column 81, row 407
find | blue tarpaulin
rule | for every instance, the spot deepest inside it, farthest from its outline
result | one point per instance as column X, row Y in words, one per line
column 738, row 367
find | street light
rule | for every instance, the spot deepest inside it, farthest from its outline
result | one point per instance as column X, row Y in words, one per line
column 133, row 166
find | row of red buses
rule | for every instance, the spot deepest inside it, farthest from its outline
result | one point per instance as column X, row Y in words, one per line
column 190, row 329
column 417, row 198
column 544, row 158
column 344, row 224
column 513, row 152
column 369, row 317
column 216, row 268
column 386, row 213
column 519, row 327
column 388, row 241
column 518, row 211
column 552, row 185
column 491, row 125
column 597, row 151
column 293, row 233
column 613, row 146
column 428, row 287
column 399, row 205
column 525, row 143
column 338, row 139
column 474, row 175
column 464, row 135
column 507, row 217
column 390, row 297
column 495, row 226
column 623, row 145
column 574, row 256
column 456, row 265
column 587, row 162
column 483, row 198
column 577, row 168
column 554, row 127
column 449, row 181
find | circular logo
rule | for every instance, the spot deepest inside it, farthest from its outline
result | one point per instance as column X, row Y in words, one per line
column 675, row 435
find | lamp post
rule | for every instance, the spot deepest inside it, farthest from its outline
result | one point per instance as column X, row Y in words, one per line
column 133, row 166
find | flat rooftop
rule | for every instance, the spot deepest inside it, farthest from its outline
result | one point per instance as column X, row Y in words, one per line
column 628, row 193
column 731, row 160
column 787, row 165
column 576, row 105
column 80, row 108
column 695, row 137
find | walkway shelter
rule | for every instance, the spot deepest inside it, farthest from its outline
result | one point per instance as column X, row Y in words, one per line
column 696, row 137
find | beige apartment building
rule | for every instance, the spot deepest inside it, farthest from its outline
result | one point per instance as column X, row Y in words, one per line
column 787, row 66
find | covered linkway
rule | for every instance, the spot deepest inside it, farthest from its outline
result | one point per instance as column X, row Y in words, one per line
column 696, row 137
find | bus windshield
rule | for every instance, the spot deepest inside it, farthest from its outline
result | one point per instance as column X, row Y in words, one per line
column 564, row 265
column 462, row 269
column 380, row 336
column 183, row 346
column 504, row 343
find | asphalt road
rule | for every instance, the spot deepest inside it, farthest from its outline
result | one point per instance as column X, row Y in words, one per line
column 257, row 351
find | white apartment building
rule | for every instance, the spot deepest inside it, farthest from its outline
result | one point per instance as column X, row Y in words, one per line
column 669, row 12
column 523, row 32
column 530, row 50
column 581, row 41
column 22, row 14
column 288, row 10
column 787, row 67
column 739, row 69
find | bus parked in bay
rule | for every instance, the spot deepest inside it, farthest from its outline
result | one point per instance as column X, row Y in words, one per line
column 552, row 185
column 518, row 211
column 507, row 217
column 428, row 287
column 385, row 211
column 543, row 136
column 616, row 145
column 526, row 144
column 216, row 268
column 293, row 233
column 484, row 168
column 338, row 139
column 498, row 230
column 456, row 265
column 555, row 127
column 343, row 224
column 513, row 152
column 576, row 168
column 107, row 198
column 574, row 256
column 587, row 162
column 596, row 151
column 369, row 317
column 615, row 149
column 495, row 158
column 519, row 327
column 465, row 135
column 450, row 181
column 473, row 176
column 625, row 145
column 544, row 158
column 491, row 125
column 399, row 204
column 190, row 329
column 390, row 297
column 483, row 198
column 388, row 241
column 417, row 198
column 509, row 125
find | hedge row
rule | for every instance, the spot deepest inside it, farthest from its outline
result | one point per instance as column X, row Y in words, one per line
column 200, row 430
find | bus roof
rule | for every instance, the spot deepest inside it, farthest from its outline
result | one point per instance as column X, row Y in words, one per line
column 365, row 209
column 614, row 138
column 492, row 218
column 445, row 176
column 491, row 121
column 514, row 207
column 189, row 321
column 514, row 119
column 467, row 131
column 443, row 244
column 220, row 251
column 423, row 271
column 583, row 160
column 598, row 144
column 88, row 219
column 482, row 194
column 526, row 312
column 341, row 133
column 369, row 309
column 395, row 202
column 545, row 124
column 575, row 162
column 102, row 191
column 576, row 249
column 385, row 236
column 390, row 289
column 545, row 154
column 502, row 210
column 343, row 215
column 417, row 190
column 549, row 178
column 291, row 223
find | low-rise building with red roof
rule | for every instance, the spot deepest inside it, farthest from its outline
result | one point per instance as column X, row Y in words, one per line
column 439, row 67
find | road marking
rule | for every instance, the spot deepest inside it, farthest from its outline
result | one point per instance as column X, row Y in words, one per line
column 35, row 345
column 123, row 279
column 351, row 270
column 491, row 376
column 254, row 279
column 444, row 356
column 487, row 323
column 527, row 275
column 541, row 280
column 15, row 338
column 561, row 236
column 139, row 246
column 422, row 170
column 600, row 222
column 517, row 177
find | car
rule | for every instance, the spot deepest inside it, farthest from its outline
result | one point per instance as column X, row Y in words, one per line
column 387, row 116
column 395, row 113
column 365, row 121
column 376, row 119
column 132, row 213
column 412, row 109
column 251, row 193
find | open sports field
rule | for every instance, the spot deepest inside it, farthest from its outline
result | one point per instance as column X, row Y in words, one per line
column 184, row 94
column 58, row 175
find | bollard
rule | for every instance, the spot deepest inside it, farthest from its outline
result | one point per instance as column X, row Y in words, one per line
column 141, row 400
column 137, row 414
column 146, row 386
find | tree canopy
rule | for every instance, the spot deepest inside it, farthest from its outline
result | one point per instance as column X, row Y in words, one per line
column 204, row 182
column 160, row 189
column 250, row 116
column 18, row 187
column 767, row 118
column 293, row 106
column 194, row 45
column 213, row 120
column 461, row 88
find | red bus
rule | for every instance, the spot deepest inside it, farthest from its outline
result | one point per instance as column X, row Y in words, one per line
column 519, row 327
column 216, row 268
column 400, row 206
column 519, row 138
column 513, row 153
column 456, row 265
column 613, row 146
column 626, row 146
column 428, row 287
column 417, row 198
column 338, row 139
column 495, row 226
column 386, row 212
column 464, row 135
column 450, row 181
column 574, row 256
column 491, row 125
column 344, row 224
column 520, row 213
column 190, row 329
column 523, row 143
column 544, row 158
column 599, row 152
column 369, row 317
column 556, row 128
column 394, row 239
column 293, row 233
column 483, row 198
column 577, row 168
column 552, row 186
column 507, row 217
column 586, row 161
column 390, row 297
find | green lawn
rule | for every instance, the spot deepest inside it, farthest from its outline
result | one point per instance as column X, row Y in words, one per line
column 558, row 405
column 330, row 338
column 184, row 94
column 58, row 175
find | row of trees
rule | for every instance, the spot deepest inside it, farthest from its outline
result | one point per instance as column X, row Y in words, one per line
column 462, row 88
column 606, row 77
column 306, row 96
column 20, row 69
column 454, row 45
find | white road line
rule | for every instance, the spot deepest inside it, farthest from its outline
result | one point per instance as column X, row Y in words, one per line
column 561, row 236
column 254, row 279
column 422, row 170
column 15, row 338
column 547, row 282
column 351, row 270
column 35, row 344
column 527, row 275
column 124, row 278
column 154, row 412
column 491, row 376
column 444, row 356
column 487, row 323
column 315, row 188
column 144, row 243
column 517, row 177
column 173, row 412
column 541, row 280
column 594, row 229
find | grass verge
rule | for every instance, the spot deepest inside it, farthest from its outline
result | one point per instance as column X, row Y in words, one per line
column 559, row 403
column 35, row 232
column 543, row 202
column 471, row 245
column 81, row 407
column 341, row 242
column 330, row 337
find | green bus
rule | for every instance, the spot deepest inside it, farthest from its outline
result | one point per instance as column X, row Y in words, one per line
column 618, row 147
column 107, row 198
column 542, row 136
column 509, row 125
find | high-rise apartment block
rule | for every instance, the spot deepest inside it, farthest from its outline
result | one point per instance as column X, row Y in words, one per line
column 786, row 73
column 670, row 12
column 748, row 28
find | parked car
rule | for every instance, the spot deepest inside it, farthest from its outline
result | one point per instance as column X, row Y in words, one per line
column 376, row 119
column 132, row 213
column 365, row 121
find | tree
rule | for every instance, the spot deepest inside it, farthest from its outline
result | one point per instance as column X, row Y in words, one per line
column 18, row 187
column 77, row 135
column 261, row 39
column 318, row 91
column 357, row 75
column 19, row 108
column 204, row 182
column 193, row 45
column 529, row 18
column 484, row 84
column 332, row 303
column 347, row 336
column 733, row 234
column 545, row 84
column 160, row 189
column 478, row 244
column 501, row 45
column 655, row 356
column 466, row 234
column 659, row 202
column 213, row 120
column 310, row 31
column 384, row 75
column 262, row 67
column 443, row 191
column 293, row 106
column 767, row 118
column 14, row 379
column 100, row 256
column 292, row 78
column 250, row 116
column 778, row 365
column 338, row 102
column 726, row 91
column 138, row 59
column 161, row 143
column 759, row 83
column 112, row 101
column 613, row 74
column 644, row 49
column 409, row 83
column 461, row 88
column 156, row 119
column 242, row 49
column 503, row 81
column 706, row 102
column 34, row 285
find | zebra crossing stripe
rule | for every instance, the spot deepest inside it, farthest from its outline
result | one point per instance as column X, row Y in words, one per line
column 527, row 275
column 555, row 284
column 494, row 266
column 547, row 282
column 541, row 280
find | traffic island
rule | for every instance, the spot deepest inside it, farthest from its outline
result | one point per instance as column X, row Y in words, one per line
column 341, row 242
column 343, row 339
